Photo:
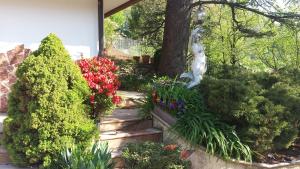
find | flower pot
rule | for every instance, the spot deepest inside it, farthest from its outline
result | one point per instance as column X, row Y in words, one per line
column 136, row 59
column 146, row 59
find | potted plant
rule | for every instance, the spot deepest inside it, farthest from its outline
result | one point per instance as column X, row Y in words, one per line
column 146, row 51
column 146, row 59
column 136, row 59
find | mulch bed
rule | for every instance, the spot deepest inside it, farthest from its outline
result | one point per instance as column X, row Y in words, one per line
column 289, row 155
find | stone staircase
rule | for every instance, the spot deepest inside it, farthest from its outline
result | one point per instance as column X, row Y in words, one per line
column 125, row 126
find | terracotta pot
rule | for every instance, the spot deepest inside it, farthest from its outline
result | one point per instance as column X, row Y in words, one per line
column 146, row 59
column 136, row 59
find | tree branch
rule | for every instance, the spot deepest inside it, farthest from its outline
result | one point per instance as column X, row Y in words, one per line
column 279, row 17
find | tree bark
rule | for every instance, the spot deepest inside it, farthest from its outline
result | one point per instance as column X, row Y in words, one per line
column 176, row 37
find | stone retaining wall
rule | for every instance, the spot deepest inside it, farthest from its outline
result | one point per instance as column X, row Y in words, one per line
column 8, row 65
column 199, row 158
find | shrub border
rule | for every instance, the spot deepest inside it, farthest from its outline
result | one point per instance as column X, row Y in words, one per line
column 164, row 120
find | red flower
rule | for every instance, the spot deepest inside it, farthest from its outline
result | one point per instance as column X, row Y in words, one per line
column 116, row 99
column 184, row 154
column 101, row 77
column 170, row 147
column 154, row 97
column 92, row 99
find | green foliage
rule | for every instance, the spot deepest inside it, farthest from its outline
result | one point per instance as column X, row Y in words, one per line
column 132, row 80
column 253, row 41
column 46, row 109
column 98, row 157
column 264, row 107
column 147, row 107
column 103, row 105
column 145, row 21
column 112, row 26
column 204, row 128
column 217, row 137
column 153, row 156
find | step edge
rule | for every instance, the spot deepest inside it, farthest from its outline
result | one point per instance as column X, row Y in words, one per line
column 121, row 120
column 116, row 154
column 133, row 135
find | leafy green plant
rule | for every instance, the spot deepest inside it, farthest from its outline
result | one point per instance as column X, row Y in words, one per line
column 201, row 128
column 46, row 109
column 132, row 80
column 197, row 125
column 154, row 156
column 147, row 107
column 97, row 157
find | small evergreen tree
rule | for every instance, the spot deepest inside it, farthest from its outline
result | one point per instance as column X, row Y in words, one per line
column 46, row 110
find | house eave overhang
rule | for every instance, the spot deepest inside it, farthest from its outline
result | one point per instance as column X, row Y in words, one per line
column 118, row 7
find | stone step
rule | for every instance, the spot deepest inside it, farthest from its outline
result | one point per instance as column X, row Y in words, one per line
column 130, row 99
column 126, row 125
column 131, row 94
column 118, row 160
column 4, row 157
column 9, row 166
column 118, row 139
column 125, row 120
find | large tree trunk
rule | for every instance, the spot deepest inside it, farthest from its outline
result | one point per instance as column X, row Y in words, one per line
column 176, row 37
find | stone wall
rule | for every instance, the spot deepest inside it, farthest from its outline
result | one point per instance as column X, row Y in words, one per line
column 8, row 65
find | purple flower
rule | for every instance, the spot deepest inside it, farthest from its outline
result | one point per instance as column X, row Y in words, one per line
column 172, row 106
column 161, row 102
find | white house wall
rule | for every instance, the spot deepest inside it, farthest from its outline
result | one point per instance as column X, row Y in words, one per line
column 29, row 21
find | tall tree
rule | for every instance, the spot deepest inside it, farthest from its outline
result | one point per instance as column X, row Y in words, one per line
column 176, row 37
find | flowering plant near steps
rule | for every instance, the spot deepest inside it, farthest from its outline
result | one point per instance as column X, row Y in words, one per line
column 194, row 123
column 100, row 74
column 155, row 156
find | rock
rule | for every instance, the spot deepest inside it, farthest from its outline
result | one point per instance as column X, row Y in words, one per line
column 3, row 73
column 8, row 67
column 3, row 60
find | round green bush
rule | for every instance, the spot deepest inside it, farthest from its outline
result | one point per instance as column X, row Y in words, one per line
column 46, row 107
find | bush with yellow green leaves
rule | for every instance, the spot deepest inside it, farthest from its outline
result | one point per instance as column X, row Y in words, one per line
column 46, row 107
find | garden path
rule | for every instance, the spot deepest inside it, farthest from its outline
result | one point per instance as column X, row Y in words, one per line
column 125, row 126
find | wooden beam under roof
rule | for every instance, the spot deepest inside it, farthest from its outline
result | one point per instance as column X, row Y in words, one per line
column 121, row 7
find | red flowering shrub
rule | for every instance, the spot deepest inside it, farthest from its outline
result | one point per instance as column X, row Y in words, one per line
column 103, row 81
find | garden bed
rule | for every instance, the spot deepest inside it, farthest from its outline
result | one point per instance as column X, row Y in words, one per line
column 199, row 157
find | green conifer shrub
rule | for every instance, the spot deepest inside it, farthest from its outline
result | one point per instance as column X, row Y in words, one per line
column 46, row 107
column 264, row 107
